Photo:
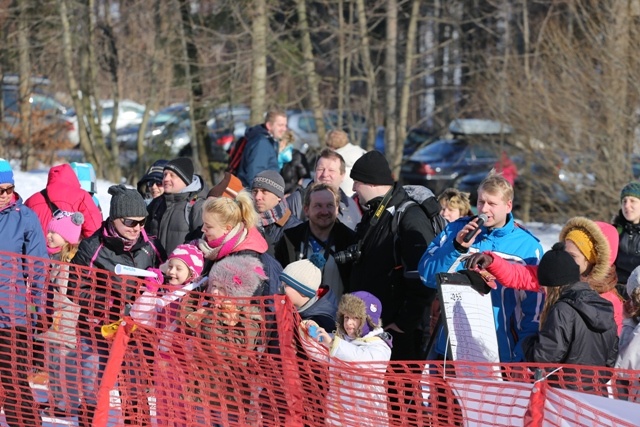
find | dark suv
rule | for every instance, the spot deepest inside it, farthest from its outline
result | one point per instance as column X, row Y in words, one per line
column 473, row 148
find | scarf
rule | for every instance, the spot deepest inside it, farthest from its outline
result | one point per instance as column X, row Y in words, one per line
column 110, row 231
column 53, row 251
column 274, row 215
column 285, row 156
column 223, row 245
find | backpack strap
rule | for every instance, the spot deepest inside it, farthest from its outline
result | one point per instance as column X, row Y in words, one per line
column 51, row 205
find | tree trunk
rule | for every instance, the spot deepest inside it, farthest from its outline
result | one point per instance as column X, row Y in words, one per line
column 67, row 58
column 391, row 92
column 369, row 71
column 200, row 135
column 310, row 70
column 24, row 86
column 259, row 27
column 153, row 89
column 405, row 94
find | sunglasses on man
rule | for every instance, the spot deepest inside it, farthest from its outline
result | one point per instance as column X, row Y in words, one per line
column 8, row 190
column 128, row 222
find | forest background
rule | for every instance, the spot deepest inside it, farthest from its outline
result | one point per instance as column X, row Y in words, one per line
column 564, row 74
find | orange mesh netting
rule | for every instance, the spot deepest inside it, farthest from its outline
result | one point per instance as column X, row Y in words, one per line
column 94, row 358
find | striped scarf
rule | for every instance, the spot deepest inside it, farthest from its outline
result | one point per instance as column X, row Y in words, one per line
column 223, row 245
column 273, row 215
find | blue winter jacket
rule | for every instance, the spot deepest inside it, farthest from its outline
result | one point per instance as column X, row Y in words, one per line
column 516, row 312
column 20, row 233
column 260, row 154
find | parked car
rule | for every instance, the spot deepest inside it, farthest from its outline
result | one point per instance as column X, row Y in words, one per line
column 129, row 113
column 57, row 118
column 171, row 128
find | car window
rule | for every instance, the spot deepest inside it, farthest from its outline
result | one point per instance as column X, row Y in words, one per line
column 307, row 124
column 42, row 102
column 444, row 148
column 483, row 152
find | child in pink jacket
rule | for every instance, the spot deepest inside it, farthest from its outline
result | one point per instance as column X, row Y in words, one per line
column 592, row 244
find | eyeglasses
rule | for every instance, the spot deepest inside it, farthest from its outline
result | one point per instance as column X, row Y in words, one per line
column 8, row 190
column 128, row 222
column 154, row 182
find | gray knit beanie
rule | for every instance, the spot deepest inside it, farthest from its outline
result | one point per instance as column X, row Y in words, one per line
column 126, row 203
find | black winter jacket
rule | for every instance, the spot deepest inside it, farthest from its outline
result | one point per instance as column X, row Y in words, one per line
column 386, row 260
column 104, row 301
column 167, row 215
column 629, row 250
column 579, row 330
column 293, row 243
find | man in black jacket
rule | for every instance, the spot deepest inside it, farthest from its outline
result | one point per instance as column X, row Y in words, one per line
column 323, row 234
column 388, row 263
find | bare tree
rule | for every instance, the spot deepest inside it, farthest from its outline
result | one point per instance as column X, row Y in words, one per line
column 310, row 69
column 259, row 29
column 24, row 85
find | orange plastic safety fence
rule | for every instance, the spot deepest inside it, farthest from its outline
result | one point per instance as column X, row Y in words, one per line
column 96, row 351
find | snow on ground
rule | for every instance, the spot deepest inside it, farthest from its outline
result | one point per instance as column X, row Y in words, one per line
column 28, row 183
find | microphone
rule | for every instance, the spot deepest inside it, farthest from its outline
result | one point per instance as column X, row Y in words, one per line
column 482, row 218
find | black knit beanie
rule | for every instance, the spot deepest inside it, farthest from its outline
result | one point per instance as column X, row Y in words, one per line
column 558, row 268
column 372, row 168
column 183, row 167
column 126, row 203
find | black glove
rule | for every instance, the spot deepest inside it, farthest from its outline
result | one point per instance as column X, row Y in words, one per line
column 478, row 260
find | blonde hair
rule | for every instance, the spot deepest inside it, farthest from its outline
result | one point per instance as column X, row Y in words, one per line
column 319, row 186
column 273, row 114
column 232, row 211
column 336, row 139
column 68, row 251
column 494, row 184
column 550, row 299
column 455, row 199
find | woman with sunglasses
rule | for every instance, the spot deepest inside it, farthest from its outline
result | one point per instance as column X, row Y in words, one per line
column 120, row 240
column 20, row 234
column 150, row 185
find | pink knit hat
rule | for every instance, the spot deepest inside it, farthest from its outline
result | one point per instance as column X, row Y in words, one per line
column 68, row 225
column 190, row 255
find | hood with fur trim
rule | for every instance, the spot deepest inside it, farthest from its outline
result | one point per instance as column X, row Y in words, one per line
column 237, row 275
column 605, row 243
column 353, row 306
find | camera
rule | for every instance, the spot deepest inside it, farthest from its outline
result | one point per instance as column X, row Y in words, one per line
column 351, row 254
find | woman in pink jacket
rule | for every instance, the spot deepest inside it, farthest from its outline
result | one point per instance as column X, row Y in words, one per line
column 592, row 244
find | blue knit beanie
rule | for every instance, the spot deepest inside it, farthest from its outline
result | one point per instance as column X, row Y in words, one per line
column 6, row 174
column 632, row 189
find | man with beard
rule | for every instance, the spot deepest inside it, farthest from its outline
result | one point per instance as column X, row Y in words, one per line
column 320, row 234
column 330, row 170
column 268, row 198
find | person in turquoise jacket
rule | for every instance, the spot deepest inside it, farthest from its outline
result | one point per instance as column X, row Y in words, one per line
column 516, row 312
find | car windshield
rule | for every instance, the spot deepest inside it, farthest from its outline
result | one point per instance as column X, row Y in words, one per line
column 440, row 149
column 164, row 117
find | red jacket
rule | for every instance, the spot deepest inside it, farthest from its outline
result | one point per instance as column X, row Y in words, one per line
column 64, row 191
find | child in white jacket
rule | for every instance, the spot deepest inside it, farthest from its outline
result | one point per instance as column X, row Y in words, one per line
column 357, row 393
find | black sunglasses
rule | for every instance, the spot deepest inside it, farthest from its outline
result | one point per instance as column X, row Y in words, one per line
column 152, row 182
column 128, row 222
column 8, row 190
